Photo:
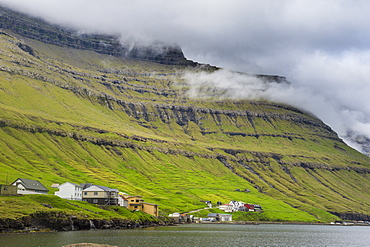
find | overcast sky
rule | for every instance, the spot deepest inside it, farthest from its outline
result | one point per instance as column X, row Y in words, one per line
column 321, row 46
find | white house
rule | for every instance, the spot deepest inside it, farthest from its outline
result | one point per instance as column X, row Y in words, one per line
column 122, row 201
column 29, row 186
column 225, row 217
column 70, row 191
column 228, row 208
column 236, row 205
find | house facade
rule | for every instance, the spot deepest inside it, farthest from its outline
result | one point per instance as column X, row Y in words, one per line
column 122, row 201
column 70, row 191
column 134, row 202
column 101, row 195
column 29, row 186
column 137, row 203
column 181, row 218
column 150, row 208
column 225, row 217
column 228, row 208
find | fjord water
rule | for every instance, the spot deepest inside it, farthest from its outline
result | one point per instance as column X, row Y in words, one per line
column 203, row 235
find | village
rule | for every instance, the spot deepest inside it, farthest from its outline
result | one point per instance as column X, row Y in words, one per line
column 232, row 206
column 102, row 195
column 94, row 194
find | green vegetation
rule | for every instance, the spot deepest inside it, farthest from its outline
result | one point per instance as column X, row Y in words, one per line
column 78, row 116
column 21, row 206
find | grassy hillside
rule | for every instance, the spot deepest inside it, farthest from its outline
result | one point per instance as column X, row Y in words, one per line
column 79, row 116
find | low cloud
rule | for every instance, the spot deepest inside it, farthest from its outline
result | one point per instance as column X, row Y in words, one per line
column 350, row 123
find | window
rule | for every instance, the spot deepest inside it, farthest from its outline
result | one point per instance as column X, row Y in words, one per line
column 95, row 201
column 95, row 193
column 85, row 193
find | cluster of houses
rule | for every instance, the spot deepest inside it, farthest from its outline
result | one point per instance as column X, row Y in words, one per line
column 234, row 206
column 211, row 217
column 95, row 194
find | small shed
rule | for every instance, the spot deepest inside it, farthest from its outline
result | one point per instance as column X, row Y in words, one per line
column 8, row 190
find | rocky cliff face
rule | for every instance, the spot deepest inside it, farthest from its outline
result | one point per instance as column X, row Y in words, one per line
column 38, row 29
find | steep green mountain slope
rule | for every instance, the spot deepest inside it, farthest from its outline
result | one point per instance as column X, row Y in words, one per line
column 80, row 115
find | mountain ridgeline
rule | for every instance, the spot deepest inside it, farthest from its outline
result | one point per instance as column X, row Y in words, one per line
column 85, row 108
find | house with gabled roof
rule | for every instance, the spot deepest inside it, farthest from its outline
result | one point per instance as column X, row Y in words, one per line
column 70, row 191
column 29, row 186
column 136, row 203
column 226, row 208
column 97, row 194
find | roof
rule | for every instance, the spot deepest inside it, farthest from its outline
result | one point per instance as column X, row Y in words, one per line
column 76, row 185
column 212, row 215
column 100, row 188
column 147, row 203
column 30, row 184
column 129, row 196
column 55, row 186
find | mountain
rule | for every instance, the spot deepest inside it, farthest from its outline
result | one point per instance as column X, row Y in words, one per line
column 86, row 108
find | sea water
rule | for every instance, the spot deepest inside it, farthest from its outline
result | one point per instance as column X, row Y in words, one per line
column 203, row 235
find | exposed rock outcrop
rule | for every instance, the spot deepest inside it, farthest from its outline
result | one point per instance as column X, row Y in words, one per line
column 352, row 216
column 38, row 29
column 57, row 221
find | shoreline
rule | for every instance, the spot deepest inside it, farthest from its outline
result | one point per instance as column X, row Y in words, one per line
column 116, row 224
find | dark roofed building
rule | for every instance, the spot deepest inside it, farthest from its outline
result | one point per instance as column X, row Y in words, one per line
column 101, row 195
column 214, row 217
column 29, row 186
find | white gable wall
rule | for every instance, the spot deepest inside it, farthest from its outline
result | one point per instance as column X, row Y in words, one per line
column 70, row 191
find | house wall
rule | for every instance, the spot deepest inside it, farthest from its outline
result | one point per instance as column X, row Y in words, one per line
column 94, row 194
column 226, row 207
column 19, row 186
column 135, row 206
column 69, row 191
column 122, row 202
column 134, row 199
column 150, row 209
column 226, row 217
column 99, row 201
column 102, row 201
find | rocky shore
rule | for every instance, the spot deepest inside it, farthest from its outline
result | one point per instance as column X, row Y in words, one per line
column 56, row 221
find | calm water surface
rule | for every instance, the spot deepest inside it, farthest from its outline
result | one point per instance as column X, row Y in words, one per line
column 203, row 235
